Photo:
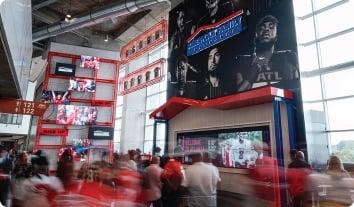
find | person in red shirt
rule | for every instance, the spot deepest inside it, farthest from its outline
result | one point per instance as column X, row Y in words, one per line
column 59, row 99
column 171, row 178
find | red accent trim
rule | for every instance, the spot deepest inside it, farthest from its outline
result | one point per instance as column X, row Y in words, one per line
column 102, row 103
column 38, row 147
column 53, row 131
column 53, row 76
column 143, row 85
column 78, row 57
column 175, row 105
column 142, row 71
column 162, row 25
column 212, row 26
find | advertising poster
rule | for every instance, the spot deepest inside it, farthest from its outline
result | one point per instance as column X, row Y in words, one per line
column 231, row 46
column 223, row 47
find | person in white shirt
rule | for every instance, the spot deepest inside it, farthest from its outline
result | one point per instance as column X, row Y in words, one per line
column 153, row 173
column 39, row 190
column 208, row 160
column 201, row 180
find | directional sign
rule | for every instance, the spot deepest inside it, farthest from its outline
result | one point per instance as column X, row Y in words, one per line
column 23, row 107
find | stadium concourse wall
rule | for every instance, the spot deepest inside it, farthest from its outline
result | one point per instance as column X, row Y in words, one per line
column 202, row 119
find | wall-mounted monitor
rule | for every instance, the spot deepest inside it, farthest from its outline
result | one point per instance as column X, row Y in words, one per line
column 102, row 133
column 229, row 148
column 80, row 84
column 65, row 69
column 56, row 97
column 76, row 115
column 90, row 62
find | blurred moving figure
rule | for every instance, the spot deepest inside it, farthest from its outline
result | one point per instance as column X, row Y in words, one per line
column 39, row 190
column 201, row 181
column 207, row 159
column 335, row 168
column 153, row 173
column 334, row 187
column 65, row 170
column 292, row 155
column 171, row 178
column 299, row 161
column 22, row 168
column 6, row 166
column 297, row 175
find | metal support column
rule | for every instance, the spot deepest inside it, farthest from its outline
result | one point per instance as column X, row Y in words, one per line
column 154, row 144
column 154, row 137
column 291, row 123
column 279, row 149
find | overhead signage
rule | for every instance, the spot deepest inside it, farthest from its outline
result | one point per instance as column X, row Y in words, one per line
column 23, row 107
column 215, row 33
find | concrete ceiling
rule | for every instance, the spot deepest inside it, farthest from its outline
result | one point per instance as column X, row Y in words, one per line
column 119, row 30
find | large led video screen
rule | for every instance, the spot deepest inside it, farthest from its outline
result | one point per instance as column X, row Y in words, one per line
column 76, row 115
column 82, row 85
column 56, row 97
column 90, row 62
column 229, row 148
column 222, row 47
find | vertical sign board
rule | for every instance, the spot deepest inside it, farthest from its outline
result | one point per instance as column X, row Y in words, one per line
column 222, row 47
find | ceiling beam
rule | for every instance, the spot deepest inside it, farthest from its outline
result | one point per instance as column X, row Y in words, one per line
column 43, row 4
column 128, row 22
column 44, row 17
column 49, row 19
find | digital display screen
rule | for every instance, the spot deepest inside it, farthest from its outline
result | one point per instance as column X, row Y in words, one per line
column 230, row 148
column 90, row 62
column 82, row 85
column 65, row 69
column 103, row 133
column 76, row 115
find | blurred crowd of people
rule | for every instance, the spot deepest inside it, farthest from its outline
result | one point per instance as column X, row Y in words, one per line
column 299, row 185
column 142, row 180
column 133, row 180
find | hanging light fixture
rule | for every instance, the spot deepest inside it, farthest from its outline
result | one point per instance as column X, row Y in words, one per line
column 68, row 13
column 106, row 40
